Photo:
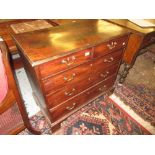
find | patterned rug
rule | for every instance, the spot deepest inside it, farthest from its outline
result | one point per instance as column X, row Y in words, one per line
column 139, row 98
column 86, row 125
column 100, row 117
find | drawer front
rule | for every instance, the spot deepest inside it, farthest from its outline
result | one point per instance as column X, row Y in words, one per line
column 64, row 63
column 82, row 98
column 82, row 72
column 115, row 44
column 71, row 76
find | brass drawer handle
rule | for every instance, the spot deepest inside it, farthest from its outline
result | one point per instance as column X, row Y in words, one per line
column 123, row 43
column 111, row 59
column 112, row 45
column 102, row 88
column 72, row 107
column 68, row 61
column 88, row 53
column 70, row 93
column 104, row 74
column 71, row 78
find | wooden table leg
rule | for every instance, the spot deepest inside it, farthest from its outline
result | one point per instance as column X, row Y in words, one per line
column 124, row 72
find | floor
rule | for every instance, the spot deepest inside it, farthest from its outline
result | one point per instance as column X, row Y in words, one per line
column 26, row 92
column 143, row 72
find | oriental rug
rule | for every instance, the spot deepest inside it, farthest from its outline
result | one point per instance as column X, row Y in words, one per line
column 140, row 98
column 100, row 117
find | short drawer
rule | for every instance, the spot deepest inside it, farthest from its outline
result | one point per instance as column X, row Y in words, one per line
column 64, row 63
column 82, row 98
column 115, row 44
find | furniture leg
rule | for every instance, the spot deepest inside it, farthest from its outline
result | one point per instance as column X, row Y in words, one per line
column 124, row 73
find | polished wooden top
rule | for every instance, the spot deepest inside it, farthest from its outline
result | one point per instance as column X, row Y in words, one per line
column 45, row 45
column 6, row 31
column 128, row 24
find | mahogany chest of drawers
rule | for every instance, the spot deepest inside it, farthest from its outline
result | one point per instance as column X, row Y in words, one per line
column 70, row 65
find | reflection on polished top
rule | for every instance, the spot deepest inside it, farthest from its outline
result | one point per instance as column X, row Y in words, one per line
column 128, row 24
column 45, row 45
column 65, row 21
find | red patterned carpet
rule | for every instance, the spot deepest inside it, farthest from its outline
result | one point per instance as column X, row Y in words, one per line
column 101, row 117
column 140, row 99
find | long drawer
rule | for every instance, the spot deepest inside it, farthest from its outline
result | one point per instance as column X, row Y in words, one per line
column 84, row 97
column 115, row 44
column 64, row 63
column 84, row 71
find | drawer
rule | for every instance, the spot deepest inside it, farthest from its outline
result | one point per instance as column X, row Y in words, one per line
column 115, row 44
column 71, row 76
column 70, row 91
column 80, row 99
column 64, row 63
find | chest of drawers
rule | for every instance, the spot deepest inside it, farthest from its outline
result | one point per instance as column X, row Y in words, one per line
column 69, row 66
